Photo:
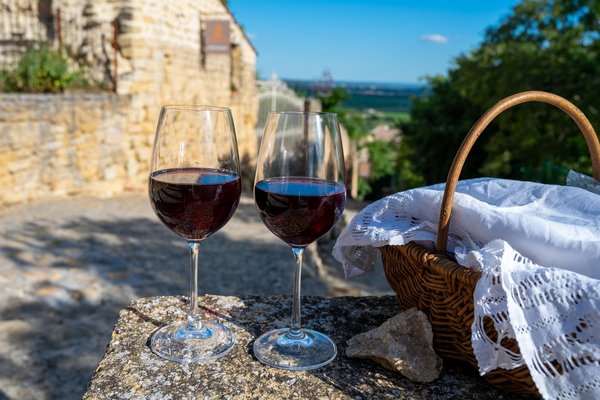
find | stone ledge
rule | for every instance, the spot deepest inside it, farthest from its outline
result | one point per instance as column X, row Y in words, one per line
column 130, row 370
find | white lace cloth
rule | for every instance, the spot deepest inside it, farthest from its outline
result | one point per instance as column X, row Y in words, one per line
column 580, row 180
column 532, row 242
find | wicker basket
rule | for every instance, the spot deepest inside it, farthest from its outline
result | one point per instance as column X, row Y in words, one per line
column 443, row 289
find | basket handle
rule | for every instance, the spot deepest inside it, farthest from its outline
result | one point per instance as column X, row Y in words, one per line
column 459, row 160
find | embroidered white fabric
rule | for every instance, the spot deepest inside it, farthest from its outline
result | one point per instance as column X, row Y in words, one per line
column 553, row 313
column 555, row 226
column 534, row 243
column 583, row 181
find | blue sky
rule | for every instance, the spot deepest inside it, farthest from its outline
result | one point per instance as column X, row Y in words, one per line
column 369, row 40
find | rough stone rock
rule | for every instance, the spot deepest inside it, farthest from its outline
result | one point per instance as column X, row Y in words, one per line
column 402, row 343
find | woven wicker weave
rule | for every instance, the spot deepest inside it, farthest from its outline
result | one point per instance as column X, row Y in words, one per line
column 443, row 289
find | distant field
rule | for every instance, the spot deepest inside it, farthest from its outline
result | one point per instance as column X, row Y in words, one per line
column 404, row 117
column 365, row 96
column 390, row 101
column 384, row 117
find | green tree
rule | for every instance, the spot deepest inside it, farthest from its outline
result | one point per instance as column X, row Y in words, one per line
column 354, row 123
column 381, row 154
column 333, row 99
column 550, row 45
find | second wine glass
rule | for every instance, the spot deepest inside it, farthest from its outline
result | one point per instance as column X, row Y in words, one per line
column 300, row 194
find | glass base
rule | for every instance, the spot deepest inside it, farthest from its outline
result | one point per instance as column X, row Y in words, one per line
column 182, row 343
column 307, row 350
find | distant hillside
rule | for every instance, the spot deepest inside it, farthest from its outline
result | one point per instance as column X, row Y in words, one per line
column 388, row 97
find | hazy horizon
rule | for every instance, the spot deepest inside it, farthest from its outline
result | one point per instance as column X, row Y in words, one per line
column 356, row 82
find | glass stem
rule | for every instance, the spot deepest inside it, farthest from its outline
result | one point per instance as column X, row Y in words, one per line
column 295, row 328
column 193, row 317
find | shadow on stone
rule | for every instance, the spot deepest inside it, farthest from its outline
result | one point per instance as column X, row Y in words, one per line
column 82, row 272
column 72, row 265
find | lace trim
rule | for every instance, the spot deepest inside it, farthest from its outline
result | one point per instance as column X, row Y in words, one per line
column 552, row 313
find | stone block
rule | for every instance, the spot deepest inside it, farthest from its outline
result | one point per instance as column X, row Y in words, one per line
column 17, row 165
column 91, row 126
column 111, row 172
column 130, row 369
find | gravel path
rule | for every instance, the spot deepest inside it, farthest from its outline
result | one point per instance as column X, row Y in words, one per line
column 67, row 266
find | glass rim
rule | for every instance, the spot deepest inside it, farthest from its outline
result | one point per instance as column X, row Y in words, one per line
column 194, row 107
column 321, row 113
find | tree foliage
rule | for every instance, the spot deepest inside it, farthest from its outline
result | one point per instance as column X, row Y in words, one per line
column 550, row 45
column 382, row 155
column 333, row 99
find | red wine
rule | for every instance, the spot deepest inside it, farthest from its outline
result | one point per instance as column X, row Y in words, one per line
column 299, row 210
column 194, row 202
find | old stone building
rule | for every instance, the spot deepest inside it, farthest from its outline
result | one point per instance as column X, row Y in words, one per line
column 150, row 53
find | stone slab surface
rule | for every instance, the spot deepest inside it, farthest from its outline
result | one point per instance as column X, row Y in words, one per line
column 69, row 265
column 129, row 370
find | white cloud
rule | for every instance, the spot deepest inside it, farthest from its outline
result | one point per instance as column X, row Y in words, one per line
column 435, row 38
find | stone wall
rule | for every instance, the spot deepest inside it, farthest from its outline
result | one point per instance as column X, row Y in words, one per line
column 63, row 144
column 168, row 65
column 161, row 60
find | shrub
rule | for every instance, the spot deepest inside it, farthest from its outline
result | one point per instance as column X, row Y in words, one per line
column 41, row 70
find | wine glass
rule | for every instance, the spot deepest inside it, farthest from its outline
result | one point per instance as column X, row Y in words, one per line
column 194, row 189
column 300, row 194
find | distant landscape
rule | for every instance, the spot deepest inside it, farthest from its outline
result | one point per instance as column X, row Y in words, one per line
column 371, row 106
column 365, row 96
